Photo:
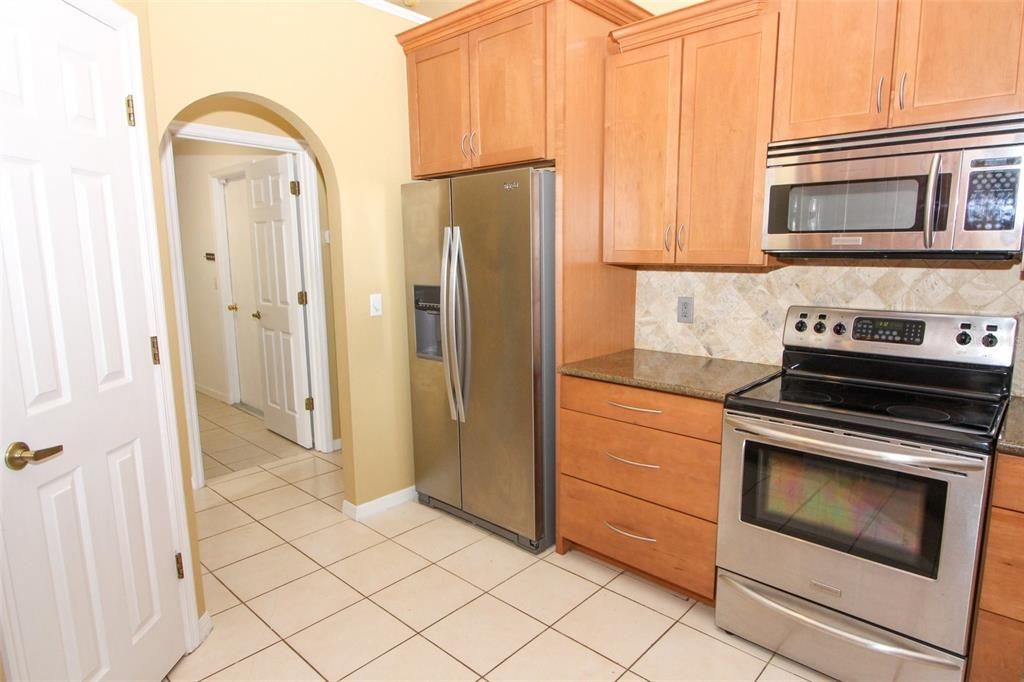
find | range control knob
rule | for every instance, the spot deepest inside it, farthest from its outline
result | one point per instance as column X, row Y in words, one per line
column 989, row 340
column 801, row 326
column 839, row 329
column 819, row 327
column 963, row 338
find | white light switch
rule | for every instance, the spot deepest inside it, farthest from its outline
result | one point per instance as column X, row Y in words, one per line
column 376, row 305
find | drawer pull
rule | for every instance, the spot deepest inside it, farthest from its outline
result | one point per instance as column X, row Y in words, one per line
column 645, row 410
column 632, row 463
column 641, row 538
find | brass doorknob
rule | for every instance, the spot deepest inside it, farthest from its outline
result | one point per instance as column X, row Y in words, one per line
column 19, row 456
column 232, row 307
column 257, row 315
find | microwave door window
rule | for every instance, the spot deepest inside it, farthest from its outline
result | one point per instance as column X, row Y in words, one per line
column 855, row 206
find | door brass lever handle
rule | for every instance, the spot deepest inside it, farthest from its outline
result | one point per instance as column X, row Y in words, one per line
column 232, row 307
column 257, row 315
column 19, row 456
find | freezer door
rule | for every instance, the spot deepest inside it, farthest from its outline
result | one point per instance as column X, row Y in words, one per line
column 426, row 212
column 501, row 249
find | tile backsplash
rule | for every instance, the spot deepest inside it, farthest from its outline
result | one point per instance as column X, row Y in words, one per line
column 739, row 315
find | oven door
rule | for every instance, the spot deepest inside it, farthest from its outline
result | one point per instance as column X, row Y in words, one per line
column 881, row 530
column 884, row 204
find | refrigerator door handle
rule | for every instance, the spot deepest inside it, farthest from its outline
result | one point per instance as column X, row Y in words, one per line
column 467, row 336
column 452, row 288
column 446, row 310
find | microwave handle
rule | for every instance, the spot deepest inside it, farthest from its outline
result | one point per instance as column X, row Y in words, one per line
column 929, row 201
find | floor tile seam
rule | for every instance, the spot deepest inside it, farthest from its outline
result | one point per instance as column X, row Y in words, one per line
column 722, row 641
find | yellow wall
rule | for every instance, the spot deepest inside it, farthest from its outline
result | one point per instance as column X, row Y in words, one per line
column 334, row 71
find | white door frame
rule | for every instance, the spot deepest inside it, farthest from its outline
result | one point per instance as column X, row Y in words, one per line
column 312, row 268
column 197, row 626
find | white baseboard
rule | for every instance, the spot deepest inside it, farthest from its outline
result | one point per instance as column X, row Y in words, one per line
column 205, row 628
column 216, row 395
column 336, row 445
column 361, row 511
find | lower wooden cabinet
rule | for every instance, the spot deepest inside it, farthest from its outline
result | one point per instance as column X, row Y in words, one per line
column 1002, row 588
column 998, row 651
column 666, row 544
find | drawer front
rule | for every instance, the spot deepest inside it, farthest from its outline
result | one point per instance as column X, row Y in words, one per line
column 664, row 411
column 665, row 468
column 998, row 651
column 1008, row 489
column 1003, row 573
column 675, row 547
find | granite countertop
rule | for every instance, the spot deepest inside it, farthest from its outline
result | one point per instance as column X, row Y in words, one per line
column 690, row 375
column 1011, row 440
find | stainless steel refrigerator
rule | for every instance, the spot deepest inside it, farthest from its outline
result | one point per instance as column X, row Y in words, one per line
column 479, row 272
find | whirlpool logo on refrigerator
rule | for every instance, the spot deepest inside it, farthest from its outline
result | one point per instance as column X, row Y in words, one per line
column 509, row 186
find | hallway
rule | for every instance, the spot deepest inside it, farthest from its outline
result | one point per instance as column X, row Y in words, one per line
column 233, row 440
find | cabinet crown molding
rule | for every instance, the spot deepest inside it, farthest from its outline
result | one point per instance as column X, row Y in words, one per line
column 485, row 12
column 688, row 20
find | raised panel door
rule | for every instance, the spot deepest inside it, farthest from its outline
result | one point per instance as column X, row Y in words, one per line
column 834, row 67
column 641, row 153
column 958, row 59
column 507, row 90
column 439, row 123
column 728, row 74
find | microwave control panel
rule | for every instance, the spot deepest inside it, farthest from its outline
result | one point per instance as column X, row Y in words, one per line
column 992, row 194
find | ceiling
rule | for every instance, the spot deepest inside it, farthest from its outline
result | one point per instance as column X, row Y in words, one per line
column 435, row 8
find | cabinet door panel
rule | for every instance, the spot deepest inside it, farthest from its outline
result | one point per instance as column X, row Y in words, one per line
column 507, row 85
column 997, row 654
column 835, row 60
column 728, row 75
column 641, row 153
column 438, row 78
column 962, row 58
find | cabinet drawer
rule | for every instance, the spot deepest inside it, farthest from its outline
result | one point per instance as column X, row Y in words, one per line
column 997, row 654
column 1003, row 572
column 664, row 411
column 667, row 544
column 665, row 468
column 1008, row 489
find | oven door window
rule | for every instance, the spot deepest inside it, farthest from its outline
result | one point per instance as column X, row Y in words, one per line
column 885, row 516
column 873, row 205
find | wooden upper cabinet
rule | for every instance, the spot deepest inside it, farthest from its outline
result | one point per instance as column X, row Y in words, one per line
column 439, row 114
column 834, row 67
column 728, row 78
column 641, row 153
column 507, row 77
column 958, row 59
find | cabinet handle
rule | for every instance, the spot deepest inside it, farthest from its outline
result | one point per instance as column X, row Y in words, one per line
column 645, row 410
column 878, row 95
column 903, row 87
column 632, row 463
column 641, row 538
column 665, row 239
column 462, row 145
column 473, row 149
column 679, row 237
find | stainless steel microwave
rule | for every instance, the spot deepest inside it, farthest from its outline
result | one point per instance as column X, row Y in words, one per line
column 949, row 191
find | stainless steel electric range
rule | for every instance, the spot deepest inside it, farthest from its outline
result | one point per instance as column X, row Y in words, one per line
column 853, row 489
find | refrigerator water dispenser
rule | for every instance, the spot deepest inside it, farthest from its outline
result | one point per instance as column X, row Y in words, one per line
column 427, row 302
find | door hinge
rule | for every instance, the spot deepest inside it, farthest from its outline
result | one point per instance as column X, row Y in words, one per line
column 154, row 349
column 129, row 105
column 180, row 566
column 309, row 404
column 302, row 298
column 293, row 186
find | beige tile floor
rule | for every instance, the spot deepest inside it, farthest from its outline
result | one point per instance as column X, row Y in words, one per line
column 299, row 591
column 233, row 440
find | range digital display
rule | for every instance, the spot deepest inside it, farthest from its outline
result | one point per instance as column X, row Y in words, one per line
column 889, row 330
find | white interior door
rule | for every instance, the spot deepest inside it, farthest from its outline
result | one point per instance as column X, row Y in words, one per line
column 243, row 286
column 87, row 575
column 273, row 220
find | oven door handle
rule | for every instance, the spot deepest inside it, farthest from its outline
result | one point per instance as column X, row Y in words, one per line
column 852, row 638
column 860, row 454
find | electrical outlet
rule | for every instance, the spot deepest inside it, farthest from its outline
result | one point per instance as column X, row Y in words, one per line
column 376, row 305
column 684, row 310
